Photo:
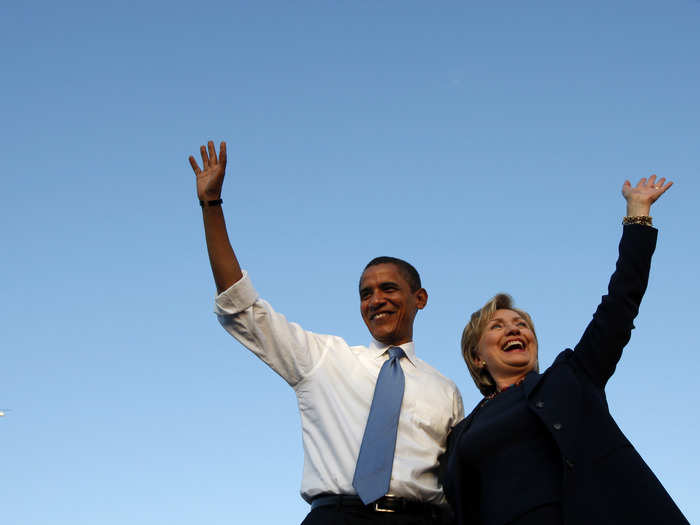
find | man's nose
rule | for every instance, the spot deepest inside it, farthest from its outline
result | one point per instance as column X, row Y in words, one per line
column 377, row 299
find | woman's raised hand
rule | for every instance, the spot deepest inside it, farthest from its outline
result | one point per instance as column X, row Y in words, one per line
column 640, row 197
column 210, row 178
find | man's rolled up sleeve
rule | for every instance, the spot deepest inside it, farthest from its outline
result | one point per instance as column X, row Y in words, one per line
column 285, row 347
column 238, row 297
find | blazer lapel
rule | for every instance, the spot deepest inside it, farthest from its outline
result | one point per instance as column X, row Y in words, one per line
column 532, row 379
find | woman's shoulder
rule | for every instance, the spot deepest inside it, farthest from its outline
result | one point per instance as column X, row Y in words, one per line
column 464, row 424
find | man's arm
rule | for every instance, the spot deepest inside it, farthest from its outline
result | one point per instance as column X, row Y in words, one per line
column 210, row 179
column 288, row 349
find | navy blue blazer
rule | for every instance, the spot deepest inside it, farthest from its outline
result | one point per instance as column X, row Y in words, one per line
column 604, row 479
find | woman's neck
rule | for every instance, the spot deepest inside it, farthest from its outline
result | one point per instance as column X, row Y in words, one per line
column 505, row 382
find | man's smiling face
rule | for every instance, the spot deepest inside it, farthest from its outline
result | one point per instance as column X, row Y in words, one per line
column 388, row 305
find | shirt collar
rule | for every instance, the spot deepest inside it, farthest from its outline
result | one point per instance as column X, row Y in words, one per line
column 378, row 349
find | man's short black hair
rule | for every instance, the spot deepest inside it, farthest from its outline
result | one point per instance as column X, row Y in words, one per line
column 406, row 269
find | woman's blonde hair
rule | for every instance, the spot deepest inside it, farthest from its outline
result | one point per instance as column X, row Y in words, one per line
column 471, row 335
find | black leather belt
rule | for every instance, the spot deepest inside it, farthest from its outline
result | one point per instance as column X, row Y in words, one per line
column 384, row 504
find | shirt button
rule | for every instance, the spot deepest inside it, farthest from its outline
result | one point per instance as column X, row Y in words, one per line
column 539, row 404
column 558, row 426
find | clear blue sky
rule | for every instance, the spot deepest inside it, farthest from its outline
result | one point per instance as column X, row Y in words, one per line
column 485, row 143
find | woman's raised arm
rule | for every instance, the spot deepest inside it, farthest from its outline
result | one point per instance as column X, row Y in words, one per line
column 600, row 347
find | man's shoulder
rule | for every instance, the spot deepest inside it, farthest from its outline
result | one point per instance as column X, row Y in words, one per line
column 429, row 370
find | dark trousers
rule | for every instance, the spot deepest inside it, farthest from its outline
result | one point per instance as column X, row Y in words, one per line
column 332, row 515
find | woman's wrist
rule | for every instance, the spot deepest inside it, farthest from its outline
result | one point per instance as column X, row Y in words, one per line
column 644, row 220
column 638, row 209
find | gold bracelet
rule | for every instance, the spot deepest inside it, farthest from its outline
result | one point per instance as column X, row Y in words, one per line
column 644, row 220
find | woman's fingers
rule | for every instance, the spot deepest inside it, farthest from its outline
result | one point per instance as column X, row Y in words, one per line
column 649, row 189
column 626, row 187
column 662, row 189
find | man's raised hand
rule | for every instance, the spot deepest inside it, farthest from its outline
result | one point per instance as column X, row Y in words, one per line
column 210, row 178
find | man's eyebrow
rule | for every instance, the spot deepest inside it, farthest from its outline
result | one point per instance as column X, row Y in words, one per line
column 383, row 284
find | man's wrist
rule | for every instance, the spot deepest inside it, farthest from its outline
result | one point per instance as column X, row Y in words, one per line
column 210, row 203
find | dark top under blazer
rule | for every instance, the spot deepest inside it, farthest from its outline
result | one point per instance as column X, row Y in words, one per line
column 604, row 479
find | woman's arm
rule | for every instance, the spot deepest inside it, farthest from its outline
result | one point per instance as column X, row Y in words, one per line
column 600, row 347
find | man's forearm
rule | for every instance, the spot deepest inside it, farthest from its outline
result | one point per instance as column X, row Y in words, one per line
column 224, row 264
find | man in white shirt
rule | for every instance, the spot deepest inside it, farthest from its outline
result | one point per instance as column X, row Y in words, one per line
column 335, row 382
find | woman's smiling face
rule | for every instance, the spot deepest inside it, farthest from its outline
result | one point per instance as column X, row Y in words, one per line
column 508, row 346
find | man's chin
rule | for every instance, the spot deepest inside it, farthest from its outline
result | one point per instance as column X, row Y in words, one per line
column 383, row 337
column 390, row 340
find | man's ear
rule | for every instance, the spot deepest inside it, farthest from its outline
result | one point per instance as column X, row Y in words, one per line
column 421, row 298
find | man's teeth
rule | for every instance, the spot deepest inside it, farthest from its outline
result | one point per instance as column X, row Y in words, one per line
column 380, row 315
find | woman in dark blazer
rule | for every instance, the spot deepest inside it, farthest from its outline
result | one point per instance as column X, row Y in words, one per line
column 543, row 448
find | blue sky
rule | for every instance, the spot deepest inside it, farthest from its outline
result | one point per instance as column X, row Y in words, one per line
column 485, row 143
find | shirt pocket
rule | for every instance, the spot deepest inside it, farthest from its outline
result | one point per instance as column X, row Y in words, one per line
column 430, row 417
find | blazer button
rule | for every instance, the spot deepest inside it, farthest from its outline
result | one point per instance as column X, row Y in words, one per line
column 539, row 404
column 558, row 426
column 569, row 463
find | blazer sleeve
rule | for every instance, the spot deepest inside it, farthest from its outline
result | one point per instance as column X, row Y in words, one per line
column 455, row 481
column 600, row 347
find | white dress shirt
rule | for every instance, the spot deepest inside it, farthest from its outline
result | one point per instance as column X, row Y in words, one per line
column 334, row 385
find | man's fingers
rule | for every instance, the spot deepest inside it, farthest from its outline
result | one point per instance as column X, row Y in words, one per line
column 212, row 152
column 195, row 166
column 222, row 154
column 209, row 159
column 205, row 158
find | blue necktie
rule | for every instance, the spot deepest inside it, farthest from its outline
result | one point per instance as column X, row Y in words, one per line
column 373, row 469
